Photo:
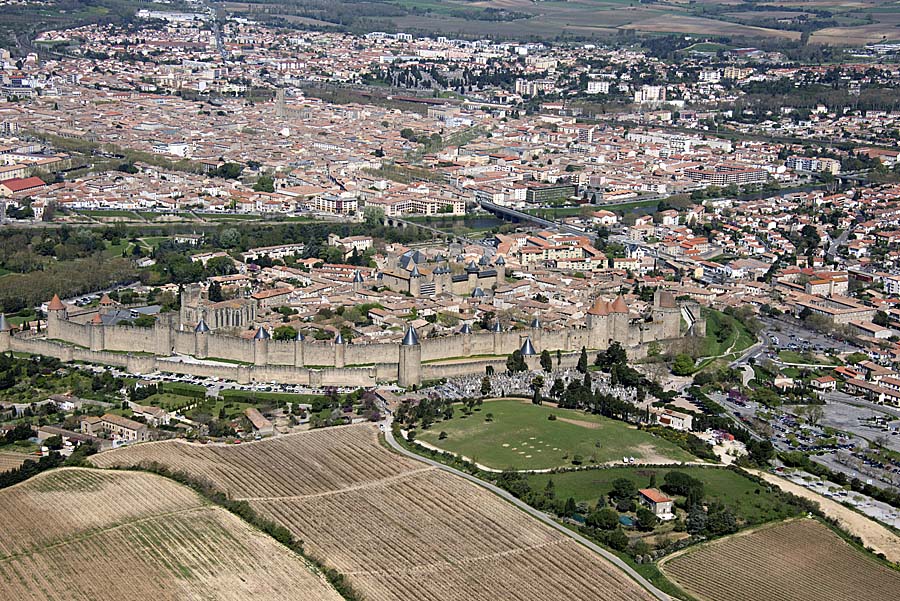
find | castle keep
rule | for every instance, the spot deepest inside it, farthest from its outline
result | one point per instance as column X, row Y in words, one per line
column 177, row 346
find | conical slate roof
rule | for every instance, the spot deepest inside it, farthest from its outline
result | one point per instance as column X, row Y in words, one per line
column 262, row 334
column 357, row 277
column 411, row 338
column 415, row 273
column 478, row 292
column 496, row 327
column 56, row 304
column 300, row 337
column 201, row 327
column 465, row 329
column 528, row 348
column 500, row 261
column 471, row 267
column 4, row 325
column 535, row 323
column 483, row 261
column 339, row 339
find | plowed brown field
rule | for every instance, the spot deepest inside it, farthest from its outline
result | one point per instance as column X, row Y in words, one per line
column 800, row 560
column 10, row 461
column 398, row 529
column 78, row 535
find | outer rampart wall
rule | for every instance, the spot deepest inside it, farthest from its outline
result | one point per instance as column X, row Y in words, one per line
column 324, row 363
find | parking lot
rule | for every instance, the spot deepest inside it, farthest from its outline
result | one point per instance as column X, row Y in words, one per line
column 789, row 334
column 844, row 452
column 882, row 512
column 215, row 385
column 865, row 422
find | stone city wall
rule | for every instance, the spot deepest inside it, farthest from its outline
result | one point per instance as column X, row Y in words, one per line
column 316, row 363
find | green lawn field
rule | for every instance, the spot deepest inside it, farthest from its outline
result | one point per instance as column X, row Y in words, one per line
column 752, row 503
column 724, row 334
column 520, row 436
column 109, row 213
column 272, row 397
column 169, row 401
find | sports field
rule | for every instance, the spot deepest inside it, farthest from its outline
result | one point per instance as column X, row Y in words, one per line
column 518, row 435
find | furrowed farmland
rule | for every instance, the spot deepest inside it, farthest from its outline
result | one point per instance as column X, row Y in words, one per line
column 10, row 461
column 396, row 528
column 798, row 560
column 79, row 534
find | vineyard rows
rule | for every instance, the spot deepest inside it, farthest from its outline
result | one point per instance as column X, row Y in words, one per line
column 77, row 534
column 398, row 530
column 10, row 461
column 800, row 560
column 305, row 464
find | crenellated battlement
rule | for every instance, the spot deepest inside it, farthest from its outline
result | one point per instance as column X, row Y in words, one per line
column 335, row 363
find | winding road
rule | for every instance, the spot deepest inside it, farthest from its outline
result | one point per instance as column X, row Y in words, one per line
column 540, row 515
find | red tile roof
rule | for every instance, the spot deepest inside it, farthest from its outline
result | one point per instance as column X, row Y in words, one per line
column 56, row 304
column 654, row 495
column 17, row 184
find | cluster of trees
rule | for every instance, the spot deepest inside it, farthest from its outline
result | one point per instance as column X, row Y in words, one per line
column 65, row 261
column 579, row 394
column 136, row 395
column 228, row 171
column 430, row 142
column 106, row 384
column 30, row 468
column 174, row 265
column 265, row 183
column 21, row 431
column 515, row 363
column 602, row 519
column 425, row 412
column 465, row 80
column 66, row 278
column 764, row 96
column 27, row 371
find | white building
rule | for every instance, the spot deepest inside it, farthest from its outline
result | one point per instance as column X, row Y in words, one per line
column 650, row 94
column 598, row 87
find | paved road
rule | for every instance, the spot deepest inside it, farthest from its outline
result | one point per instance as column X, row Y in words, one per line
column 730, row 409
column 836, row 243
column 540, row 515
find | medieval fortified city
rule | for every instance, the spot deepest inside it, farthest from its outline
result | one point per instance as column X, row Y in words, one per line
column 443, row 300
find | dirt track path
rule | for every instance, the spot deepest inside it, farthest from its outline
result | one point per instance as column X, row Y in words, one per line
column 874, row 535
